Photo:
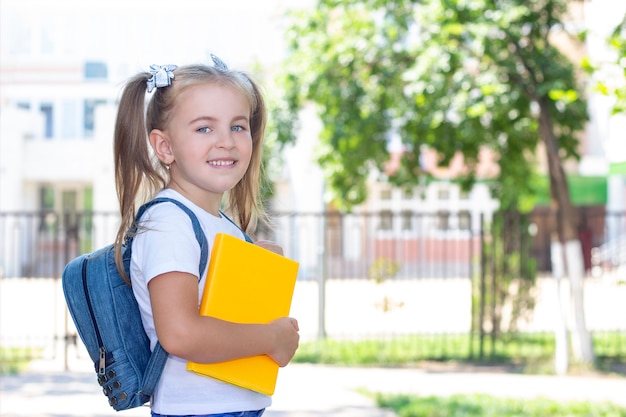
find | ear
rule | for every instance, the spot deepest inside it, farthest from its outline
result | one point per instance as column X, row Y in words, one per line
column 161, row 146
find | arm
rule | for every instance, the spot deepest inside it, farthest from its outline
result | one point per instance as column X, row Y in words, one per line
column 186, row 334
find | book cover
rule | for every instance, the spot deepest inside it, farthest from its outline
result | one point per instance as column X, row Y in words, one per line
column 246, row 284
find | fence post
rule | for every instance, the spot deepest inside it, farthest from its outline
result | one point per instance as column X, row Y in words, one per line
column 321, row 321
column 481, row 296
column 71, row 223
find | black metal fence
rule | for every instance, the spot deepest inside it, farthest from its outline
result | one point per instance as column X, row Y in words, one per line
column 424, row 245
column 432, row 264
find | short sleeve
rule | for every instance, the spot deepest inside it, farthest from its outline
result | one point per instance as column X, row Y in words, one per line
column 166, row 243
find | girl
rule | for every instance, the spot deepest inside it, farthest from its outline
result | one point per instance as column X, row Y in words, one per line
column 205, row 128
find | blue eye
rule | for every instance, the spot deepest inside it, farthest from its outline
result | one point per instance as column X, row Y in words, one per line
column 237, row 128
column 204, row 130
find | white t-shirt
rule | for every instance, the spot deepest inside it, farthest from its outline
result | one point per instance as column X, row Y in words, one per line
column 169, row 244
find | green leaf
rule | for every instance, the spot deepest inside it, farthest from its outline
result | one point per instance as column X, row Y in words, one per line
column 453, row 76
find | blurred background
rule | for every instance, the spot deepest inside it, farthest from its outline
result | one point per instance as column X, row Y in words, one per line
column 410, row 171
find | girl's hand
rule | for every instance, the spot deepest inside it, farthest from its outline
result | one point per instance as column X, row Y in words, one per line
column 272, row 246
column 286, row 340
column 286, row 328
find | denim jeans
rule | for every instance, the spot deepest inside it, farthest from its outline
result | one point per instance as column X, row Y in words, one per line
column 257, row 413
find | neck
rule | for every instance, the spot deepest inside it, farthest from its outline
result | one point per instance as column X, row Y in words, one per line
column 209, row 202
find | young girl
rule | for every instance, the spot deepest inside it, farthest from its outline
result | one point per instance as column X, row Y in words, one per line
column 204, row 126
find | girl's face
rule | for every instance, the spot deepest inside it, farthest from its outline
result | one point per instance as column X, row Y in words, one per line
column 207, row 144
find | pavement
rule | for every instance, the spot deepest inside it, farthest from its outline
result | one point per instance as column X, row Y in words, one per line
column 46, row 390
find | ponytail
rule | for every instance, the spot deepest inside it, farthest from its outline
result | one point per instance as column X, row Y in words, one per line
column 134, row 165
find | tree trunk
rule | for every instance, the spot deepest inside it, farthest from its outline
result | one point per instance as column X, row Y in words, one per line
column 565, row 236
column 561, row 335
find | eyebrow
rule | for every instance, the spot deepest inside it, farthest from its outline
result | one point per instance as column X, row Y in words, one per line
column 211, row 119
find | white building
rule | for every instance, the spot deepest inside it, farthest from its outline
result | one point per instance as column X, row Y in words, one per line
column 63, row 64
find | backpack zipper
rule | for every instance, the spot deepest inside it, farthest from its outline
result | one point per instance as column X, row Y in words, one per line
column 102, row 362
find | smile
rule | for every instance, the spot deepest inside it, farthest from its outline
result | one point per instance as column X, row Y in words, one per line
column 221, row 163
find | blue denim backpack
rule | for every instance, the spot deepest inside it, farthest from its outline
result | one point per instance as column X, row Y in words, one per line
column 108, row 321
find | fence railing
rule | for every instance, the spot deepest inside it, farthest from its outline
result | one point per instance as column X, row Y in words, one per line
column 361, row 275
column 422, row 245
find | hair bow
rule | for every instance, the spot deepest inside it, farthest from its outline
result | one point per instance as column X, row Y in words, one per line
column 219, row 64
column 162, row 76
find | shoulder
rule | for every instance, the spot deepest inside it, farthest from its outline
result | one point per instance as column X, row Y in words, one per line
column 164, row 214
column 169, row 216
column 175, row 209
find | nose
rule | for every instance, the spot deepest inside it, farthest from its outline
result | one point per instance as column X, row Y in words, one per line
column 225, row 139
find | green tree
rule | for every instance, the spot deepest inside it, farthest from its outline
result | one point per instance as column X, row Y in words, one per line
column 455, row 76
column 616, row 42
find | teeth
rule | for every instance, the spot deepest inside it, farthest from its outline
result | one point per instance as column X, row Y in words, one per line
column 221, row 163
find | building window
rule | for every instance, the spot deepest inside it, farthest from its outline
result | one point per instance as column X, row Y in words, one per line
column 465, row 220
column 46, row 197
column 89, row 113
column 443, row 220
column 386, row 220
column 69, row 201
column 96, row 70
column 48, row 120
column 407, row 220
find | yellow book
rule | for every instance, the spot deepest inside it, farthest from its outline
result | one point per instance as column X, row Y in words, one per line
column 246, row 284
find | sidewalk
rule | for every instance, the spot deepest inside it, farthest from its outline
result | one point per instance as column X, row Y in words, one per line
column 306, row 390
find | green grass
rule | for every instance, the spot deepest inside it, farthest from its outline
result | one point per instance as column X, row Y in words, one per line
column 479, row 405
column 14, row 360
column 529, row 353
column 406, row 350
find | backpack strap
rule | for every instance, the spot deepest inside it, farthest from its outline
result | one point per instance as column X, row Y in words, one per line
column 154, row 369
column 197, row 229
column 245, row 235
column 157, row 360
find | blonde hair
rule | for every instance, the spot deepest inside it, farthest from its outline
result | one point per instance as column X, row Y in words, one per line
column 139, row 175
